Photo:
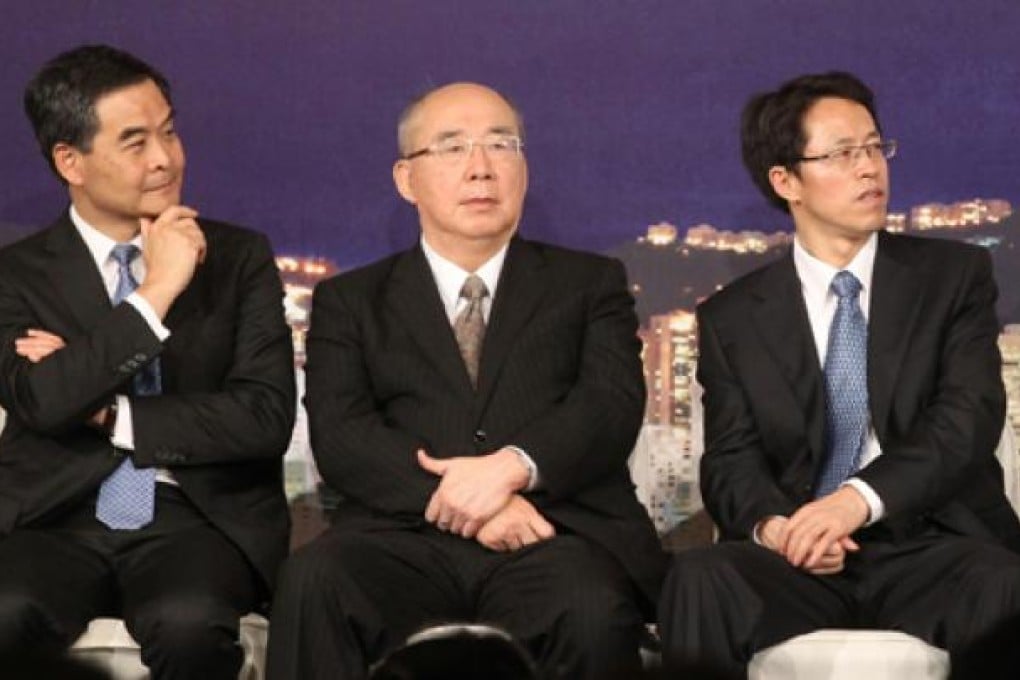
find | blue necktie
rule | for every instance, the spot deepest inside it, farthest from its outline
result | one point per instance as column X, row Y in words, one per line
column 127, row 497
column 846, row 386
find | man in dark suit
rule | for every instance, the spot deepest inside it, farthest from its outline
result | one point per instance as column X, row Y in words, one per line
column 482, row 480
column 853, row 402
column 149, row 388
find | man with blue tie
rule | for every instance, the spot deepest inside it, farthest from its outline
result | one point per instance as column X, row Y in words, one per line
column 149, row 389
column 853, row 402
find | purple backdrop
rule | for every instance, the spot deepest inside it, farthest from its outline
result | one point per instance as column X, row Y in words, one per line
column 287, row 109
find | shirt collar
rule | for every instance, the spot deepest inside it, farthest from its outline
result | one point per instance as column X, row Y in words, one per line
column 99, row 244
column 816, row 276
column 450, row 277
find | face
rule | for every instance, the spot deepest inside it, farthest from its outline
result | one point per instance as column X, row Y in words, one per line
column 473, row 204
column 834, row 205
column 136, row 163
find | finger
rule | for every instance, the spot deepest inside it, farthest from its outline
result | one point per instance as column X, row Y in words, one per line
column 470, row 528
column 146, row 225
column 527, row 535
column 203, row 248
column 826, row 543
column 430, row 464
column 175, row 213
column 801, row 544
column 432, row 509
column 543, row 529
column 826, row 570
column 455, row 524
column 40, row 343
column 39, row 333
column 849, row 544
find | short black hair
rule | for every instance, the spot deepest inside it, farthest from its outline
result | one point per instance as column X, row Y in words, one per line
column 60, row 100
column 772, row 125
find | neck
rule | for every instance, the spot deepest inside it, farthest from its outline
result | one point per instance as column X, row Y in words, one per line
column 120, row 230
column 468, row 255
column 838, row 252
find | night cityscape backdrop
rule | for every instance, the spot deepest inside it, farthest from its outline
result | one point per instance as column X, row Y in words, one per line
column 287, row 112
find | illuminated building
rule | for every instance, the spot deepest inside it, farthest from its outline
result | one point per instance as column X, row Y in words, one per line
column 960, row 214
column 1009, row 346
column 300, row 274
column 664, row 464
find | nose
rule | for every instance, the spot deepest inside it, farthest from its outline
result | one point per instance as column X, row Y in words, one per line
column 159, row 152
column 479, row 165
column 868, row 161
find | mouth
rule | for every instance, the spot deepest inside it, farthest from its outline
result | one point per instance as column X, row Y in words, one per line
column 169, row 185
column 479, row 202
column 871, row 196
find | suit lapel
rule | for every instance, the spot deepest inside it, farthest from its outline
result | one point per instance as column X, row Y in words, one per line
column 412, row 293
column 522, row 285
column 896, row 298
column 782, row 322
column 76, row 278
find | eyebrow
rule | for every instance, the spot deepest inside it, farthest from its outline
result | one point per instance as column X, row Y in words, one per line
column 845, row 141
column 134, row 131
column 494, row 130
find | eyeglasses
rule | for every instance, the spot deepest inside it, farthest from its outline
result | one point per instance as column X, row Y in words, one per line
column 453, row 150
column 844, row 157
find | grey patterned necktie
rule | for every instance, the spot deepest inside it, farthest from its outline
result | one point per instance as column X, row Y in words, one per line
column 469, row 327
column 846, row 386
column 127, row 497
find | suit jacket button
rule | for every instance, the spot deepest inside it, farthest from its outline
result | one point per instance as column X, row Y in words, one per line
column 480, row 436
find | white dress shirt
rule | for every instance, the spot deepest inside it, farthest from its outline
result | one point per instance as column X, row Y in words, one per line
column 449, row 280
column 815, row 281
column 100, row 247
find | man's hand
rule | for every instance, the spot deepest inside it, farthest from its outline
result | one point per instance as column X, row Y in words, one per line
column 771, row 534
column 816, row 527
column 472, row 489
column 172, row 246
column 518, row 524
column 38, row 344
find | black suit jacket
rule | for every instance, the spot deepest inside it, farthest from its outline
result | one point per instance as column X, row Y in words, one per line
column 560, row 376
column 935, row 391
column 226, row 413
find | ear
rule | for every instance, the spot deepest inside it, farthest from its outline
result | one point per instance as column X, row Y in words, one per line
column 785, row 183
column 402, row 180
column 68, row 162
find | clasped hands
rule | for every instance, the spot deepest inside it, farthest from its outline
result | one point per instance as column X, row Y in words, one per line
column 478, row 498
column 816, row 538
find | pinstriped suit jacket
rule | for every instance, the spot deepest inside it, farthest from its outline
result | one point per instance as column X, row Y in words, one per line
column 560, row 376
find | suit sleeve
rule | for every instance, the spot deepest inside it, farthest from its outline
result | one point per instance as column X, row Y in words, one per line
column 66, row 388
column 251, row 415
column 961, row 420
column 357, row 452
column 737, row 483
column 590, row 434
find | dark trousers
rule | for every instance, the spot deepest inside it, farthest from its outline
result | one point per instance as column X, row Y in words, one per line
column 179, row 584
column 720, row 604
column 350, row 597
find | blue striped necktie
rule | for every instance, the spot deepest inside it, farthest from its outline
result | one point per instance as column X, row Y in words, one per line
column 127, row 497
column 846, row 386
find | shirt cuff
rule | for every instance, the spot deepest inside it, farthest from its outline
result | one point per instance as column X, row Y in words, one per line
column 876, row 508
column 123, row 436
column 528, row 463
column 150, row 316
column 754, row 532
